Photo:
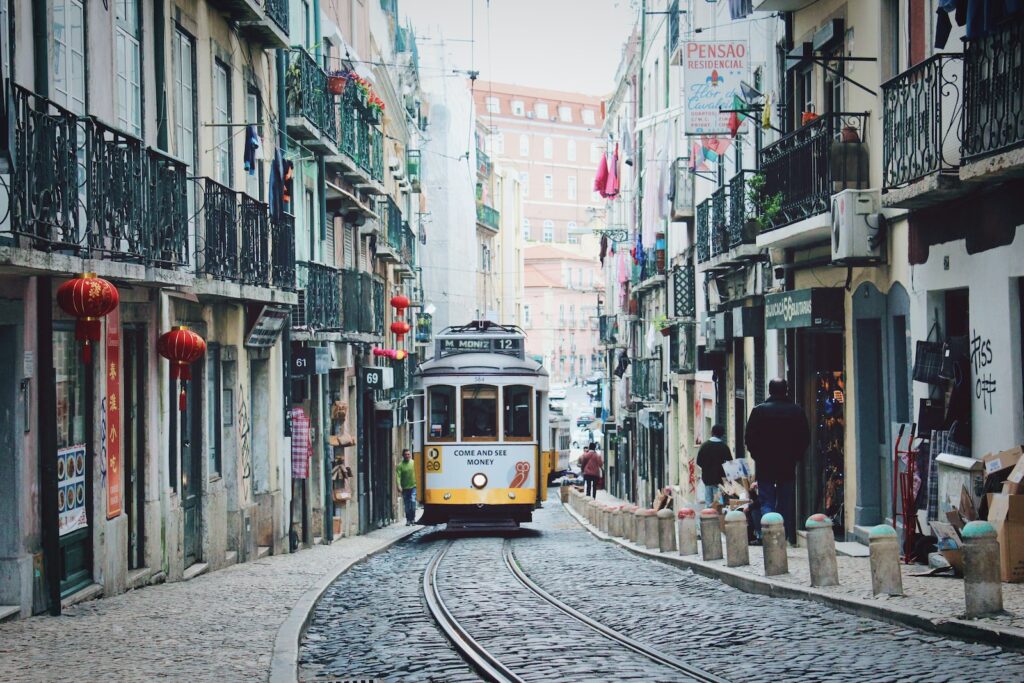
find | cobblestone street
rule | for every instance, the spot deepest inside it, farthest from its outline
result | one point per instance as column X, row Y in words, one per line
column 731, row 634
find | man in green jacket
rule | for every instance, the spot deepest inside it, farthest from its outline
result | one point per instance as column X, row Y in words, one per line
column 405, row 478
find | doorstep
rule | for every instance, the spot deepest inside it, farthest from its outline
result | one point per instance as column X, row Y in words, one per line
column 852, row 549
column 137, row 578
column 90, row 592
column 262, row 551
column 195, row 570
column 9, row 612
column 230, row 558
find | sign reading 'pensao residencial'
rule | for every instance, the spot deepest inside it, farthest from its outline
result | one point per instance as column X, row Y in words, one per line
column 712, row 72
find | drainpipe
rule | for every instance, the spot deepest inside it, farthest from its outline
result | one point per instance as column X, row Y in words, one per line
column 158, row 66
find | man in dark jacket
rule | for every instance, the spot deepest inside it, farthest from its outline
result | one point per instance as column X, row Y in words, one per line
column 777, row 435
column 710, row 458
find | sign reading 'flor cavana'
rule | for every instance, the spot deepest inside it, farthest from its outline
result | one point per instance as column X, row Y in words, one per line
column 712, row 73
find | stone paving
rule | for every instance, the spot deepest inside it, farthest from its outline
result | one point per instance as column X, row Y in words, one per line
column 218, row 626
column 940, row 596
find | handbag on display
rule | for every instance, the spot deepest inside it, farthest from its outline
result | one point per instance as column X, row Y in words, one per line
column 954, row 352
column 931, row 415
column 928, row 358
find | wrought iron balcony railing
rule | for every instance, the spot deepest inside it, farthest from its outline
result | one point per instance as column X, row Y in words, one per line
column 254, row 256
column 994, row 92
column 704, row 231
column 82, row 187
column 393, row 222
column 413, row 168
column 376, row 169
column 351, row 299
column 282, row 251
column 684, row 297
column 608, row 326
column 483, row 163
column 487, row 216
column 810, row 164
column 921, row 117
column 217, row 246
column 320, row 297
column 646, row 384
column 741, row 210
column 363, row 303
column 720, row 221
column 374, row 322
column 307, row 94
column 277, row 11
column 408, row 245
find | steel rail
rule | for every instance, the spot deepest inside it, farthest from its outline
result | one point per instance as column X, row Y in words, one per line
column 473, row 652
column 610, row 633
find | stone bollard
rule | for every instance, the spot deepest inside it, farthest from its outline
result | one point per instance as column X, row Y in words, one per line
column 666, row 531
column 622, row 515
column 736, row 548
column 710, row 534
column 886, row 577
column 614, row 518
column 591, row 511
column 686, row 522
column 773, row 540
column 636, row 525
column 983, row 591
column 650, row 528
column 821, row 551
column 606, row 518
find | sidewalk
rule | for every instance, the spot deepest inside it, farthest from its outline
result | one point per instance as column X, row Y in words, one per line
column 218, row 626
column 934, row 603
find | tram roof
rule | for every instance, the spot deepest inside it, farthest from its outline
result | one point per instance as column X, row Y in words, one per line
column 481, row 363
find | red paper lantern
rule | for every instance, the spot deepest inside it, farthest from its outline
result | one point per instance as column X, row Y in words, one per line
column 88, row 298
column 400, row 328
column 401, row 302
column 182, row 347
column 380, row 353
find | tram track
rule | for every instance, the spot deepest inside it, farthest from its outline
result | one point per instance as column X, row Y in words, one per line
column 490, row 666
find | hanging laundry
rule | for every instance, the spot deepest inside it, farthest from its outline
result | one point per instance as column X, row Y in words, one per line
column 766, row 112
column 601, row 179
column 302, row 446
column 252, row 145
column 276, row 189
column 623, row 269
column 611, row 188
column 604, row 248
column 739, row 9
column 289, row 182
column 665, row 189
column 627, row 143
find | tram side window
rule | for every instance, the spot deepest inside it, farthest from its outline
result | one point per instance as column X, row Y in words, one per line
column 479, row 412
column 517, row 412
column 442, row 413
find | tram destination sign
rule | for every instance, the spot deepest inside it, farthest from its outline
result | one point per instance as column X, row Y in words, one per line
column 510, row 346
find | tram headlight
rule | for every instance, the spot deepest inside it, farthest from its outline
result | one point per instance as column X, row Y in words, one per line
column 479, row 480
column 512, row 495
column 448, row 496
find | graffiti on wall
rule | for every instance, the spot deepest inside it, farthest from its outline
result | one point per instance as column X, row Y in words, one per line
column 985, row 384
column 244, row 447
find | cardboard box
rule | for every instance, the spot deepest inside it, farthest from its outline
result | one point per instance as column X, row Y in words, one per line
column 1006, row 514
column 997, row 462
column 1015, row 480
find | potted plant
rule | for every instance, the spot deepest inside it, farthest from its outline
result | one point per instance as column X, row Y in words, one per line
column 764, row 208
column 336, row 82
column 808, row 116
column 375, row 108
column 293, row 85
column 664, row 325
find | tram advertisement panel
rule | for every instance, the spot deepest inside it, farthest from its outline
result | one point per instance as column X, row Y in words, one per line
column 506, row 466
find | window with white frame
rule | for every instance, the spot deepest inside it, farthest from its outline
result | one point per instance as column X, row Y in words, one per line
column 69, row 55
column 588, row 116
column 526, row 229
column 524, row 145
column 185, row 122
column 549, row 148
column 524, row 183
column 565, row 114
column 541, row 109
column 570, row 150
column 549, row 231
column 253, row 112
column 595, row 153
column 518, row 109
column 571, row 226
column 493, row 105
column 549, row 186
column 573, row 239
column 128, row 59
column 570, row 190
column 222, row 116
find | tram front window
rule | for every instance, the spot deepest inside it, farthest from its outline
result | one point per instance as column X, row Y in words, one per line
column 442, row 413
column 479, row 412
column 517, row 412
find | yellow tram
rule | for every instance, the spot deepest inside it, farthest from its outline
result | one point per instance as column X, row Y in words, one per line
column 482, row 448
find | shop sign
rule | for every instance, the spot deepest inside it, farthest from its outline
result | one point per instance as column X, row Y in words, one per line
column 311, row 360
column 71, row 489
column 820, row 308
column 712, row 72
column 267, row 327
column 112, row 416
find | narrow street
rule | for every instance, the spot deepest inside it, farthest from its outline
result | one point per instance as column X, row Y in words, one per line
column 729, row 634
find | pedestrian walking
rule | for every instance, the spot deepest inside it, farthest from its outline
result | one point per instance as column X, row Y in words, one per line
column 712, row 455
column 406, row 481
column 777, row 435
column 591, row 462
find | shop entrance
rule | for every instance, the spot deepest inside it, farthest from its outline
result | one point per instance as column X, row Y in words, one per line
column 74, row 466
column 134, row 406
column 191, row 468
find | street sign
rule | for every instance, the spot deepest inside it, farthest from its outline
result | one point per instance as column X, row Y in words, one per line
column 377, row 378
column 268, row 326
column 311, row 360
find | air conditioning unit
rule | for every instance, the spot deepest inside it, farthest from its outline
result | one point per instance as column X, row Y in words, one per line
column 858, row 228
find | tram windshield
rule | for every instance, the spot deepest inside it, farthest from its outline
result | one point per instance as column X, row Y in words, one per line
column 442, row 413
column 479, row 412
column 517, row 412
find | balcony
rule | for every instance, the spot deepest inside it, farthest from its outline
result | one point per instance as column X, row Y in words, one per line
column 311, row 108
column 264, row 21
column 704, row 231
column 320, row 296
column 608, row 329
column 487, row 217
column 483, row 163
column 413, row 169
column 407, row 253
column 993, row 130
column 807, row 167
column 389, row 230
column 239, row 242
column 646, row 380
column 719, row 221
column 84, row 189
column 362, row 312
column 922, row 111
column 360, row 150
